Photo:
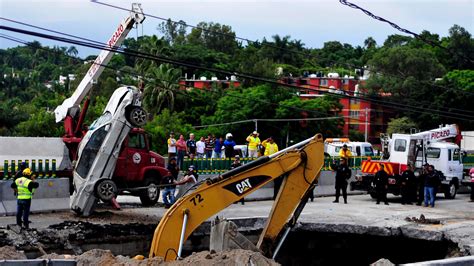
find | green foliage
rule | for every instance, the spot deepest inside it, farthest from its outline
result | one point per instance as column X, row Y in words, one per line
column 400, row 125
column 160, row 127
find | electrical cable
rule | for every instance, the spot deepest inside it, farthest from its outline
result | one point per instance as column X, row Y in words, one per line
column 227, row 72
column 394, row 25
column 307, row 54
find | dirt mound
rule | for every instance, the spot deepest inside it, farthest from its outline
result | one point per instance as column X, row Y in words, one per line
column 10, row 253
column 204, row 258
column 232, row 257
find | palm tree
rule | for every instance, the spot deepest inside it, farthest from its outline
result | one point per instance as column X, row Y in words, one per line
column 161, row 87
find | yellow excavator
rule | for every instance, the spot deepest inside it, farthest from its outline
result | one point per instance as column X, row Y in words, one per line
column 298, row 165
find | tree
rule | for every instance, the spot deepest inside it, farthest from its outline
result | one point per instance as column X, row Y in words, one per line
column 400, row 125
column 161, row 87
column 370, row 43
column 461, row 48
column 162, row 124
column 213, row 36
column 174, row 32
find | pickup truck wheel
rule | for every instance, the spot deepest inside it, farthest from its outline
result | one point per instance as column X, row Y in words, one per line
column 106, row 190
column 137, row 116
column 450, row 192
column 150, row 196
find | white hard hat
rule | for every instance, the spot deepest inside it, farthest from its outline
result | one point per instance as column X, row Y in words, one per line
column 228, row 135
column 254, row 133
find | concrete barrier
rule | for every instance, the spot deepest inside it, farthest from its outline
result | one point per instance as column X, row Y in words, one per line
column 52, row 195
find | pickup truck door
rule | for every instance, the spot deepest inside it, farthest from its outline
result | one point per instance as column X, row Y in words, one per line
column 136, row 157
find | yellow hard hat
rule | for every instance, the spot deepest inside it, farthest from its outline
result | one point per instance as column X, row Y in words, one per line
column 27, row 172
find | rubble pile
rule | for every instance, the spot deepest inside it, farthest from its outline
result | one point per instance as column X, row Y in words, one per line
column 105, row 257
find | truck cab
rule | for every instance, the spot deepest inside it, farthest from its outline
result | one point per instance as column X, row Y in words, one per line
column 138, row 166
column 418, row 149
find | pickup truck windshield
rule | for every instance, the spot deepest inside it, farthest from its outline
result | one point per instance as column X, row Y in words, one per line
column 90, row 151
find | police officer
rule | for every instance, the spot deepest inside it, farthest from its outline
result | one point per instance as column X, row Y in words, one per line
column 24, row 188
column 343, row 173
column 407, row 180
column 381, row 184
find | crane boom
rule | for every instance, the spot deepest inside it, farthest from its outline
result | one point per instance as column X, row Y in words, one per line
column 136, row 17
column 446, row 132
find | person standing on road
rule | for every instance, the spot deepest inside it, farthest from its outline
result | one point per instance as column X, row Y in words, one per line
column 270, row 147
column 181, row 149
column 171, row 146
column 209, row 146
column 191, row 146
column 21, row 168
column 343, row 173
column 24, row 188
column 407, row 184
column 381, row 184
column 421, row 184
column 471, row 175
column 345, row 153
column 200, row 148
column 217, row 153
column 431, row 183
column 253, row 141
column 169, row 190
column 229, row 144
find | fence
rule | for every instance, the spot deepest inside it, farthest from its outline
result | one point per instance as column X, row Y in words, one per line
column 42, row 168
column 220, row 165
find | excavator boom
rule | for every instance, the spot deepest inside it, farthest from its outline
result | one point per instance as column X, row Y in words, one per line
column 299, row 165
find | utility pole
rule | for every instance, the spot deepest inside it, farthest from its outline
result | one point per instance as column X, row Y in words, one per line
column 366, row 122
column 256, row 124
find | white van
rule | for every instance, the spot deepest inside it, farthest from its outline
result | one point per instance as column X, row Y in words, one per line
column 333, row 146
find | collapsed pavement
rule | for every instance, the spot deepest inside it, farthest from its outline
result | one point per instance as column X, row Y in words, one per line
column 323, row 229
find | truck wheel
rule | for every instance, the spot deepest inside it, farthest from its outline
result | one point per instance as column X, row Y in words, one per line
column 451, row 190
column 106, row 190
column 136, row 116
column 150, row 196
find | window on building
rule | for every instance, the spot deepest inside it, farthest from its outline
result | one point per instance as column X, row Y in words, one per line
column 345, row 81
column 400, row 145
column 354, row 114
column 353, row 127
column 323, row 82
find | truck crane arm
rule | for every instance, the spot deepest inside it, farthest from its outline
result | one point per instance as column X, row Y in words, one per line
column 299, row 165
column 136, row 16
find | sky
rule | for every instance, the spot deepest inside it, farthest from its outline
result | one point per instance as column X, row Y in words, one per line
column 312, row 22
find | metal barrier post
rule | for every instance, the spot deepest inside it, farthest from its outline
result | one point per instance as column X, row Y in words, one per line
column 27, row 163
column 40, row 168
column 46, row 168
column 5, row 170
column 53, row 168
column 33, row 165
column 13, row 169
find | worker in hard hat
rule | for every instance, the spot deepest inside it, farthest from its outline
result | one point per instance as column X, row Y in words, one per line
column 253, row 141
column 24, row 188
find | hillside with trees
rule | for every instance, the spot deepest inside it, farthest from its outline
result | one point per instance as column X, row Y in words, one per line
column 410, row 71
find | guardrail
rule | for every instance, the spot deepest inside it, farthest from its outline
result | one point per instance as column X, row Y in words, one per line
column 42, row 168
column 220, row 165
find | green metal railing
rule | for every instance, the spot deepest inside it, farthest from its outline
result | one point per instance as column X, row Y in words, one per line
column 42, row 169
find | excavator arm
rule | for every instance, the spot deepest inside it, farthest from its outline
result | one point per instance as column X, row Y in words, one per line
column 299, row 165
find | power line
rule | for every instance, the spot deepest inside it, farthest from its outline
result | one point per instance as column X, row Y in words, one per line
column 74, row 36
column 272, row 120
column 394, row 25
column 308, row 54
column 391, row 104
